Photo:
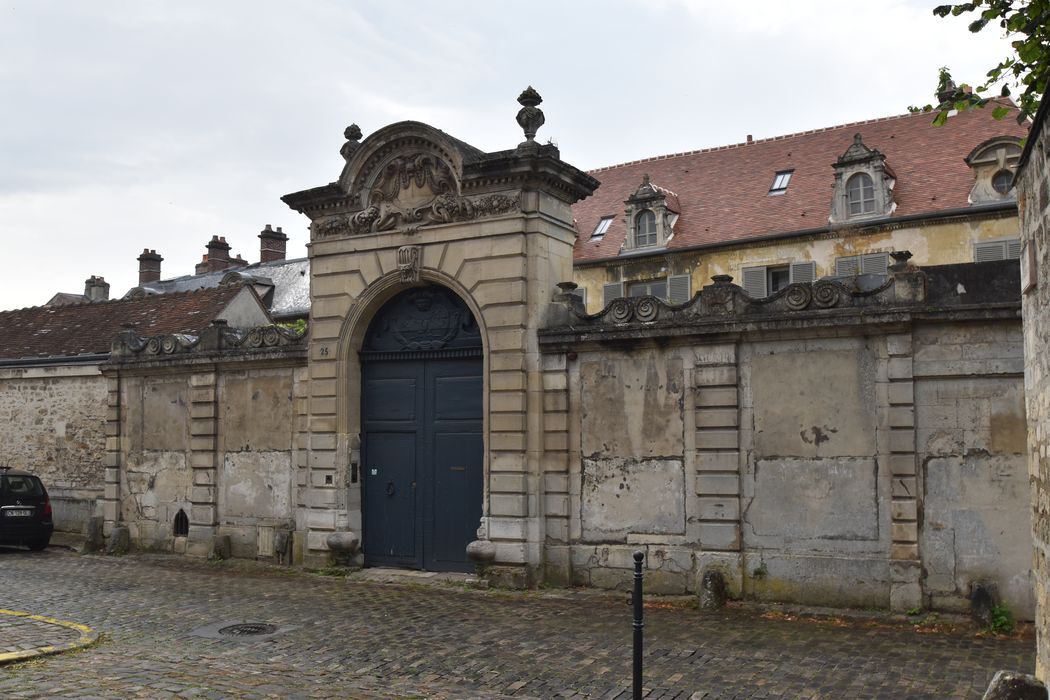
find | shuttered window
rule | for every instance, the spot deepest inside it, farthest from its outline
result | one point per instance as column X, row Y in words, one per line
column 1006, row 249
column 868, row 264
column 679, row 289
column 610, row 291
column 754, row 281
column 803, row 271
column 761, row 281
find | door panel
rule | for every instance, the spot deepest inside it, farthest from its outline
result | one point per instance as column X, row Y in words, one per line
column 456, row 498
column 421, row 420
column 390, row 485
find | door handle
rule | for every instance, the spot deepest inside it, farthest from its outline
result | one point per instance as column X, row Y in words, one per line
column 390, row 488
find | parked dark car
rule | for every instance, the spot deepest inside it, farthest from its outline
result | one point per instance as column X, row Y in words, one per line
column 25, row 510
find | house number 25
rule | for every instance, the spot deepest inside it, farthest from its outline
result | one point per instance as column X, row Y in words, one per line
column 323, row 351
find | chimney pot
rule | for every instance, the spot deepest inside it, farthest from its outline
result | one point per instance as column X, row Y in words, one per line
column 272, row 244
column 149, row 266
column 96, row 289
column 218, row 254
column 749, row 139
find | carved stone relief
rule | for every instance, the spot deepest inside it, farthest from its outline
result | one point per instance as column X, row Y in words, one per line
column 411, row 191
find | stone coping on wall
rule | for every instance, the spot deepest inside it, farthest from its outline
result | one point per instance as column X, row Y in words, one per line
column 725, row 308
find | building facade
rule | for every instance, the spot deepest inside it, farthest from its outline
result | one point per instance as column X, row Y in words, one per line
column 846, row 436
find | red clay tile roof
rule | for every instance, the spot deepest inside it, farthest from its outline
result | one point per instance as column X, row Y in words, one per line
column 723, row 192
column 49, row 331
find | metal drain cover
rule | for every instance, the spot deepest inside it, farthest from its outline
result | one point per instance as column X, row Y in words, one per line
column 248, row 629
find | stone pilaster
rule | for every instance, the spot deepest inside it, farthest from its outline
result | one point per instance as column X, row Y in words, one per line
column 556, row 447
column 204, row 462
column 896, row 430
column 111, row 489
column 716, row 419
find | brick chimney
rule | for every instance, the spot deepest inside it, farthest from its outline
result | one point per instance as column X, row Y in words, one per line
column 272, row 244
column 96, row 289
column 218, row 254
column 149, row 266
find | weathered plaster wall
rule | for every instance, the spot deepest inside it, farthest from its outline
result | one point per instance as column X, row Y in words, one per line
column 971, row 445
column 176, row 423
column 52, row 422
column 1034, row 203
column 880, row 467
column 256, row 439
column 937, row 244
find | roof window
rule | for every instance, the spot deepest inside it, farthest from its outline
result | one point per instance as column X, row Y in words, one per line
column 602, row 227
column 780, row 182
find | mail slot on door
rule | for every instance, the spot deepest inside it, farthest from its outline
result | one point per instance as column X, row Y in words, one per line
column 457, row 469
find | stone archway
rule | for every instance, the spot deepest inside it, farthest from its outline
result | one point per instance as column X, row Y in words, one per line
column 421, row 426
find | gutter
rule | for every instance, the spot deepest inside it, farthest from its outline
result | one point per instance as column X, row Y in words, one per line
column 55, row 360
column 870, row 223
column 1041, row 115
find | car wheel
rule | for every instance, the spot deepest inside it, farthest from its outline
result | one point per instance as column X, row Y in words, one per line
column 39, row 545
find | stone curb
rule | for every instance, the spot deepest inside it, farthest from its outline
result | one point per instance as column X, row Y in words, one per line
column 87, row 637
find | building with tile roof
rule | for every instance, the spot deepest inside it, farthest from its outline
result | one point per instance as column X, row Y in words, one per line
column 782, row 202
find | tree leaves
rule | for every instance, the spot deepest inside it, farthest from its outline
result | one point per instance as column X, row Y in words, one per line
column 1028, row 23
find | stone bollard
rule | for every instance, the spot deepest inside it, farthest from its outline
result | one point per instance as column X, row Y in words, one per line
column 222, row 547
column 712, row 590
column 343, row 545
column 482, row 552
column 95, row 540
column 1011, row 685
column 119, row 540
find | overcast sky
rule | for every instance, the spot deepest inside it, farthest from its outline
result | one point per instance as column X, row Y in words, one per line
column 135, row 124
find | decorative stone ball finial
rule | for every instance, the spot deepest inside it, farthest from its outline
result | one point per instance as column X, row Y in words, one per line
column 530, row 117
column 352, row 134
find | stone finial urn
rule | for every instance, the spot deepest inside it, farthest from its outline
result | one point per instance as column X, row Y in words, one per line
column 481, row 552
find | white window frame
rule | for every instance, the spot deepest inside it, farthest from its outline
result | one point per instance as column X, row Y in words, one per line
column 652, row 235
column 780, row 182
column 601, row 228
column 866, row 190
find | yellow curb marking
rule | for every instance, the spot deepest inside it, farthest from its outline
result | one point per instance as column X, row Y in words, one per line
column 87, row 637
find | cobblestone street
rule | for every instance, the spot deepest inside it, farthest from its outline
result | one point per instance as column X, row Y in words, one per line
column 349, row 638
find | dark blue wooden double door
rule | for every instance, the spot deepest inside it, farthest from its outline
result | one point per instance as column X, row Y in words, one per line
column 422, row 438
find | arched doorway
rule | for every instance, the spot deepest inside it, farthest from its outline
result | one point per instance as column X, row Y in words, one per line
column 421, row 425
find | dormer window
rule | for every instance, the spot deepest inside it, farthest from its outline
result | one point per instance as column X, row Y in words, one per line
column 602, row 227
column 863, row 184
column 651, row 213
column 645, row 229
column 993, row 164
column 1002, row 182
column 780, row 182
column 860, row 194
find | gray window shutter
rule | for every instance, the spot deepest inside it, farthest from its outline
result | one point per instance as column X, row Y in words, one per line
column 985, row 252
column 754, row 279
column 803, row 271
column 1013, row 248
column 847, row 267
column 581, row 292
column 874, row 263
column 678, row 288
column 610, row 291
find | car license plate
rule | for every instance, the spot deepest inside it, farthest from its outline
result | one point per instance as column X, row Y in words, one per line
column 18, row 512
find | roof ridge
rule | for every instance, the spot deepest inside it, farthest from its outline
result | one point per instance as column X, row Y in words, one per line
column 712, row 149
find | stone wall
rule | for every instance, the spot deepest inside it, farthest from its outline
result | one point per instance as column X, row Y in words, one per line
column 869, row 456
column 52, row 423
column 1034, row 203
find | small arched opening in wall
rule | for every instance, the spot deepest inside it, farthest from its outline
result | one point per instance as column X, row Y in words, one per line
column 414, row 377
column 180, row 527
